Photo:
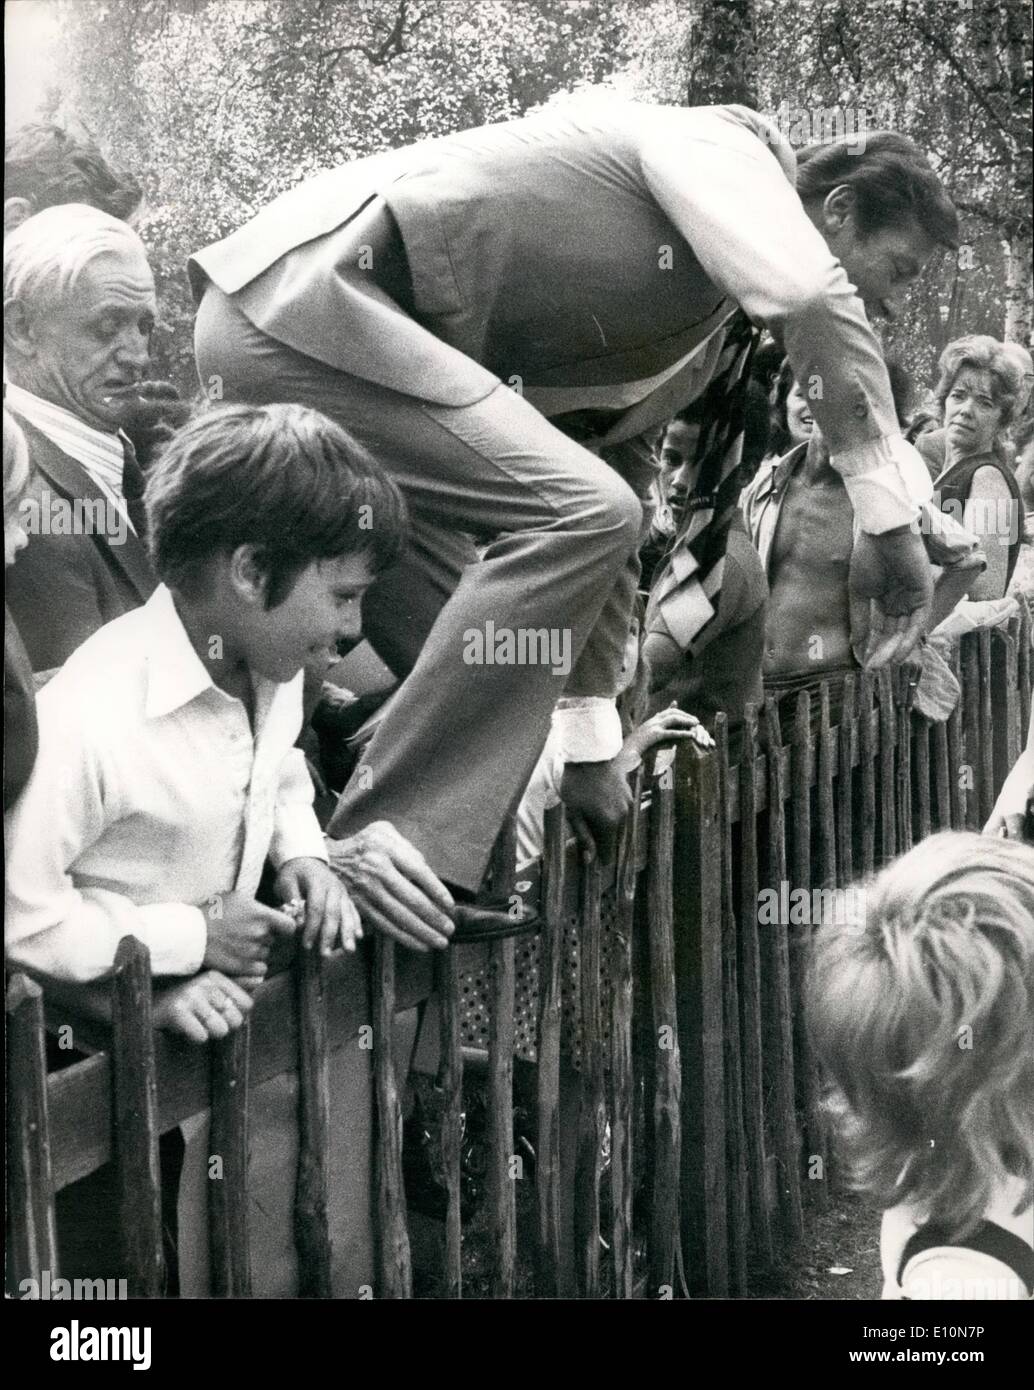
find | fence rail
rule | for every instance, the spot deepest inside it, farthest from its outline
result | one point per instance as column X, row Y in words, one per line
column 698, row 1115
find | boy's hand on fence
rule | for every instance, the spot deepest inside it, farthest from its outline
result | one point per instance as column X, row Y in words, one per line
column 671, row 725
column 202, row 1008
column 240, row 933
column 393, row 886
column 597, row 798
column 327, row 912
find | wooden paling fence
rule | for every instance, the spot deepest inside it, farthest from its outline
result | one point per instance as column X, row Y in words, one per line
column 700, row 1139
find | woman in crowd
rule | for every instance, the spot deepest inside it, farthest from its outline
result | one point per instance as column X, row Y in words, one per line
column 791, row 418
column 978, row 391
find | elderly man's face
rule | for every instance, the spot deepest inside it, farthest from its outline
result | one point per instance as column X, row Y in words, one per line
column 92, row 346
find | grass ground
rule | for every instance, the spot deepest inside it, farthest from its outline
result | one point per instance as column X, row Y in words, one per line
column 846, row 1238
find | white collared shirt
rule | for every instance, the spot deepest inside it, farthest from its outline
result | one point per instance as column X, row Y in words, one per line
column 150, row 796
column 102, row 455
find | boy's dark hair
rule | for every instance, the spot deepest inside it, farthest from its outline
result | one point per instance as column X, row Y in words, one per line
column 892, row 180
column 282, row 477
column 47, row 166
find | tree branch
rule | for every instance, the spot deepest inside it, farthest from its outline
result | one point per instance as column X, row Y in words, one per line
column 941, row 45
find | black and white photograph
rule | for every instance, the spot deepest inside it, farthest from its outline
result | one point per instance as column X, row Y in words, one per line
column 519, row 629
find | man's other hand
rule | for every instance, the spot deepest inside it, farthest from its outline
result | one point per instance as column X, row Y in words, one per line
column 597, row 799
column 393, row 887
column 891, row 590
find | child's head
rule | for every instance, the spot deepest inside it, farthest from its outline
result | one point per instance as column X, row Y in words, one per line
column 922, row 1016
column 275, row 520
column 16, row 476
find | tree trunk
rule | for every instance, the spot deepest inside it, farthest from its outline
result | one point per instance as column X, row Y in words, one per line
column 722, row 51
column 1019, row 288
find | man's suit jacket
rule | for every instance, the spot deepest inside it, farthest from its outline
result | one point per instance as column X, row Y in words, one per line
column 62, row 588
column 576, row 249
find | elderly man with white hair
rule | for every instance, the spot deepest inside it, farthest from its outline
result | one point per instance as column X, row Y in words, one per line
column 79, row 309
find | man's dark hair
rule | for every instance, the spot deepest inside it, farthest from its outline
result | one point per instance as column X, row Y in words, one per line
column 755, row 428
column 765, row 366
column 280, row 477
column 892, row 179
column 47, row 166
column 779, row 439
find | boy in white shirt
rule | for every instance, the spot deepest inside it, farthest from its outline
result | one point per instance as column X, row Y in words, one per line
column 167, row 771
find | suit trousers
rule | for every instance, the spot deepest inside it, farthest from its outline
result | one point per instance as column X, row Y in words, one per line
column 461, row 736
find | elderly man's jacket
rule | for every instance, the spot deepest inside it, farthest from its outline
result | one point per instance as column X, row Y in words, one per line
column 570, row 253
column 62, row 588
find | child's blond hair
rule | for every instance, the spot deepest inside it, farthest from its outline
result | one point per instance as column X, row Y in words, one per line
column 922, row 1014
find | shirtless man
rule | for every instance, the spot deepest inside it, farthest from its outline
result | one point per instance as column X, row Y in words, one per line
column 799, row 518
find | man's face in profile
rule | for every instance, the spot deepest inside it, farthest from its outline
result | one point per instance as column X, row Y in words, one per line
column 882, row 264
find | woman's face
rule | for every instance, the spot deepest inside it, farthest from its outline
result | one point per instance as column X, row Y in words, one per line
column 799, row 418
column 971, row 416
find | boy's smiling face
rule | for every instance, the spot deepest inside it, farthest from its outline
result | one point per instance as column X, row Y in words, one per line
column 322, row 609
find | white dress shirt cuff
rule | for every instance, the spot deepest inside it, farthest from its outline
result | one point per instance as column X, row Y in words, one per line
column 176, row 935
column 587, row 729
column 297, row 836
column 886, row 481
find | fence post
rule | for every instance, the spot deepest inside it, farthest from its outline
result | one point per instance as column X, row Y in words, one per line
column 136, row 1120
column 547, row 1162
column 867, row 772
column 990, row 735
column 450, row 1083
column 904, row 719
column 1005, row 705
column 956, row 754
column 621, row 1089
column 973, row 736
column 845, row 785
column 228, row 1243
column 667, row 1069
column 311, row 1228
column 1024, row 663
column 888, row 736
column 750, row 962
column 396, row 1274
column 32, row 1227
column 592, row 1110
column 778, row 1017
column 698, row 960
column 501, row 1180
column 736, row 1139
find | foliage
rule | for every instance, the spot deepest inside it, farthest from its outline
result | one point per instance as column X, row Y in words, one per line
column 225, row 105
